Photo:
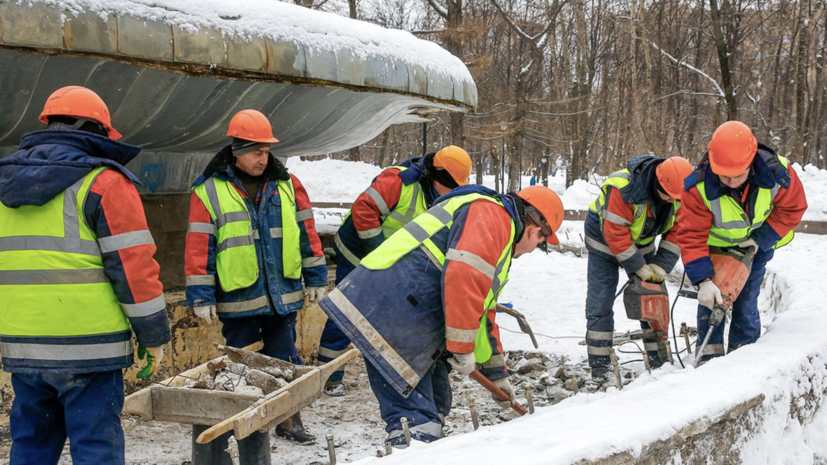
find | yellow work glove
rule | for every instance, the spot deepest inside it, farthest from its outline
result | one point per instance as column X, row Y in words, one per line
column 153, row 356
column 646, row 273
column 660, row 273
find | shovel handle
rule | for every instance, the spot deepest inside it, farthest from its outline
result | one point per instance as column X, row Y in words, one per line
column 499, row 393
column 509, row 311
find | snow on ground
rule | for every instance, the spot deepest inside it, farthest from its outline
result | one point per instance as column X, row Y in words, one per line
column 815, row 186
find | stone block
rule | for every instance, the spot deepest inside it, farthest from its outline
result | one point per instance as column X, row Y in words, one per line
column 147, row 39
column 31, row 25
column 246, row 55
column 87, row 32
column 321, row 64
column 285, row 58
column 204, row 47
column 384, row 73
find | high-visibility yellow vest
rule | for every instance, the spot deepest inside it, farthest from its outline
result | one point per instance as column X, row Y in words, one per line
column 52, row 281
column 236, row 259
column 731, row 224
column 418, row 233
column 619, row 180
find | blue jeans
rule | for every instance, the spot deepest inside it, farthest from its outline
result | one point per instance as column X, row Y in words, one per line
column 278, row 332
column 86, row 408
column 745, row 327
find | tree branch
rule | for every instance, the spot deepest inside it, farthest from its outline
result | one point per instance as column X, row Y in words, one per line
column 440, row 10
column 691, row 68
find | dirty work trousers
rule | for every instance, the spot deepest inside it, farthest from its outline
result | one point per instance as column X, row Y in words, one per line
column 334, row 342
column 603, row 275
column 278, row 332
column 425, row 408
column 745, row 327
column 49, row 407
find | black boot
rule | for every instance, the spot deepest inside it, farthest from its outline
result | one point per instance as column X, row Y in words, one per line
column 601, row 374
column 293, row 429
column 335, row 388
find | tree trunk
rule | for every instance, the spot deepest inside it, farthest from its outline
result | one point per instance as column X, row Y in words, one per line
column 723, row 60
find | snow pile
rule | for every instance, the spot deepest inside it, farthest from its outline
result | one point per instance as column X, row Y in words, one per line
column 333, row 180
column 815, row 187
column 319, row 32
column 788, row 366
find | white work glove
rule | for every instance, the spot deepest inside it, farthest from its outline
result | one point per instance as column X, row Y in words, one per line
column 646, row 273
column 206, row 313
column 463, row 363
column 660, row 273
column 748, row 243
column 505, row 385
column 709, row 294
column 316, row 294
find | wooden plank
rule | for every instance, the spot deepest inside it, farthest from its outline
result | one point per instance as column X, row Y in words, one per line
column 197, row 406
column 812, row 227
column 140, row 404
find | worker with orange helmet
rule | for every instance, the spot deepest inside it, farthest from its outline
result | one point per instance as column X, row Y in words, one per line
column 77, row 279
column 395, row 197
column 423, row 302
column 635, row 205
column 251, row 242
column 742, row 194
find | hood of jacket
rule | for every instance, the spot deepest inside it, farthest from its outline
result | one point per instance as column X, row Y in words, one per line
column 50, row 161
column 642, row 187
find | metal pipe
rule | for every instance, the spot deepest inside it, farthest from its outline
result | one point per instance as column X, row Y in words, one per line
column 685, row 332
column 530, row 399
column 669, row 352
column 475, row 418
column 388, row 447
column 331, row 449
column 616, row 366
column 646, row 360
column 232, row 449
column 405, row 430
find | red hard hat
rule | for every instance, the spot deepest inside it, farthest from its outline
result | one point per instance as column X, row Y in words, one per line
column 456, row 161
column 732, row 149
column 548, row 203
column 79, row 102
column 251, row 125
column 671, row 174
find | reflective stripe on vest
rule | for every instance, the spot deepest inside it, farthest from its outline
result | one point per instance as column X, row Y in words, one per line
column 619, row 180
column 418, row 233
column 410, row 205
column 236, row 257
column 58, row 304
column 731, row 224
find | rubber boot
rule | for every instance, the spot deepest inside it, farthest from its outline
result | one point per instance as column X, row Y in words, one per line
column 335, row 388
column 293, row 429
column 601, row 374
column 253, row 450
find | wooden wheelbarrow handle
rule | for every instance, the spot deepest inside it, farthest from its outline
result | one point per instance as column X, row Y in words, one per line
column 499, row 393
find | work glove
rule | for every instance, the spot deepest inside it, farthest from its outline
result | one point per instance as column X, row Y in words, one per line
column 505, row 385
column 646, row 273
column 153, row 356
column 463, row 363
column 660, row 273
column 316, row 294
column 205, row 312
column 709, row 294
column 748, row 243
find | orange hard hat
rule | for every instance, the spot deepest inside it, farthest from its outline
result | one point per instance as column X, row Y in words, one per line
column 732, row 149
column 548, row 204
column 79, row 102
column 456, row 161
column 251, row 125
column 671, row 174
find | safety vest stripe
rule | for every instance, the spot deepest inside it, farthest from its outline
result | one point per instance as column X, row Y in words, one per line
column 441, row 214
column 331, row 354
column 461, row 335
column 718, row 217
column 71, row 221
column 370, row 233
column 150, row 307
column 473, row 260
column 241, row 306
column 304, row 215
column 670, row 246
column 599, row 351
column 645, row 250
column 348, row 255
column 650, row 346
column 615, row 218
column 431, row 256
column 373, row 337
column 714, row 349
column 65, row 352
column 238, row 241
column 417, row 231
column 49, row 243
column 380, row 202
column 212, row 195
column 235, row 217
column 31, row 277
column 201, row 280
column 598, row 246
column 207, row 228
column 496, row 361
column 125, row 241
column 628, row 253
column 599, row 335
column 292, row 297
column 731, row 240
column 409, row 213
column 312, row 261
column 276, row 233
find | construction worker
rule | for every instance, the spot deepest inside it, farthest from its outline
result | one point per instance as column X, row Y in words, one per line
column 395, row 197
column 741, row 194
column 424, row 301
column 251, row 239
column 635, row 205
column 77, row 277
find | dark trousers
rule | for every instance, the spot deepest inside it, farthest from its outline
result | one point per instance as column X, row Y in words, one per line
column 278, row 332
column 86, row 408
column 425, row 408
column 745, row 327
column 334, row 342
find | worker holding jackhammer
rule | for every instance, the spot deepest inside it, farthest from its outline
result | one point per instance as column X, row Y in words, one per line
column 77, row 278
column 395, row 197
column 424, row 301
column 742, row 194
column 635, row 205
column 250, row 242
